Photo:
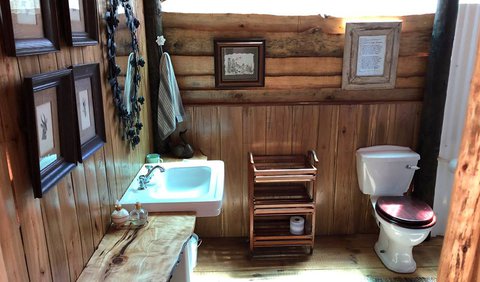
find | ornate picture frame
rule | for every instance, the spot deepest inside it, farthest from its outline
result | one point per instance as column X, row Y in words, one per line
column 239, row 63
column 50, row 121
column 29, row 27
column 370, row 56
column 80, row 22
column 89, row 109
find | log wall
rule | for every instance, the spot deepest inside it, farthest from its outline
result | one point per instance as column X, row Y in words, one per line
column 459, row 260
column 52, row 239
column 301, row 107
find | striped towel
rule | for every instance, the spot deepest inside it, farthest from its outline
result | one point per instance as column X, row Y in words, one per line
column 170, row 108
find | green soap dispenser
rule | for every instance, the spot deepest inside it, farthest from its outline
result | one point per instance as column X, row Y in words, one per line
column 139, row 215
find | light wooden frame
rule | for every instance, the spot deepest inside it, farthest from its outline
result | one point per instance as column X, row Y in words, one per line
column 350, row 78
column 90, row 35
column 62, row 82
column 90, row 146
column 31, row 46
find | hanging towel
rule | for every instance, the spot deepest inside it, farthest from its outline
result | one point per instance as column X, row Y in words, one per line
column 129, row 83
column 170, row 108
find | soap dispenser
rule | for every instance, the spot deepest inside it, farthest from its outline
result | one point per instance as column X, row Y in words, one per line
column 119, row 215
column 138, row 216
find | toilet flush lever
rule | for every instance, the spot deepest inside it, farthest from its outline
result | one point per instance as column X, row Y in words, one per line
column 414, row 167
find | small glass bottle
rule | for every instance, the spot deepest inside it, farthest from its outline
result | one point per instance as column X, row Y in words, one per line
column 138, row 216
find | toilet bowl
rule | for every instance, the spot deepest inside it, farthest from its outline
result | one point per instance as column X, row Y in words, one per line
column 385, row 173
column 396, row 240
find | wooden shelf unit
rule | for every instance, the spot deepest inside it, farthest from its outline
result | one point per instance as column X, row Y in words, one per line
column 280, row 187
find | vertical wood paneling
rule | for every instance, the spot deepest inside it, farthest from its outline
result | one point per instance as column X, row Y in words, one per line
column 57, row 251
column 56, row 235
column 404, row 124
column 93, row 200
column 279, row 130
column 231, row 138
column 254, row 136
column 326, row 152
column 11, row 247
column 29, row 211
column 103, row 192
column 344, row 209
column 334, row 131
column 255, row 129
column 207, row 140
column 3, row 268
column 83, row 212
column 304, row 129
column 365, row 131
column 69, row 225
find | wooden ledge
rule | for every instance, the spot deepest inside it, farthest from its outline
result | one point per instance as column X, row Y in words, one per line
column 149, row 253
column 300, row 96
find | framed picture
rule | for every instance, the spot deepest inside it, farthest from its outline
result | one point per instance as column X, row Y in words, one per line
column 29, row 27
column 80, row 22
column 50, row 116
column 89, row 109
column 239, row 63
column 370, row 56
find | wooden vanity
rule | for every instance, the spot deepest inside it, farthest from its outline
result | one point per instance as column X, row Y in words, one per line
column 149, row 253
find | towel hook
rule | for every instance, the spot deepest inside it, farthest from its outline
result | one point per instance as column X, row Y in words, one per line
column 161, row 41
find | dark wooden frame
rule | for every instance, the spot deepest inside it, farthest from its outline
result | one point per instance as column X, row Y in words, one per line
column 90, row 36
column 33, row 46
column 91, row 71
column 43, row 180
column 226, row 43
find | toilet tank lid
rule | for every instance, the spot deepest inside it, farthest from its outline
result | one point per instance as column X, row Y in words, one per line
column 387, row 152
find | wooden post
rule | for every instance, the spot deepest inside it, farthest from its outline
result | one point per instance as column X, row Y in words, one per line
column 460, row 258
column 434, row 99
column 154, row 28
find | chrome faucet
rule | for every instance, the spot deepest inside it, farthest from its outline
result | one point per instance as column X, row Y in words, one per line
column 143, row 180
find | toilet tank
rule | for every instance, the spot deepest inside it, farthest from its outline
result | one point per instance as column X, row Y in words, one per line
column 385, row 170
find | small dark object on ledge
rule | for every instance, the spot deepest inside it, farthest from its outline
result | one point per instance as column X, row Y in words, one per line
column 183, row 150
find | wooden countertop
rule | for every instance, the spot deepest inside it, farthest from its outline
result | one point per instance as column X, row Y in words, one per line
column 140, row 254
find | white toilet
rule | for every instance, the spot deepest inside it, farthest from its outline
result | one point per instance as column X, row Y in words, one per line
column 385, row 173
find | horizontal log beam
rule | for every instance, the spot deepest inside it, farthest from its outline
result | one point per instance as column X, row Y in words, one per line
column 271, row 23
column 203, row 65
column 291, row 82
column 299, row 96
column 310, row 43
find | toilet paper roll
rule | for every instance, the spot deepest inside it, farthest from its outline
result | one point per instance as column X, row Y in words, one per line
column 297, row 224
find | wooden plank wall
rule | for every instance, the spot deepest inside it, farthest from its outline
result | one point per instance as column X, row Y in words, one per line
column 301, row 107
column 51, row 239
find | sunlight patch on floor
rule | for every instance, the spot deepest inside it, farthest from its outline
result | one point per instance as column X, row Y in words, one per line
column 282, row 276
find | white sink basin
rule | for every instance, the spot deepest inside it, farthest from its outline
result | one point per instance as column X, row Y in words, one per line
column 184, row 186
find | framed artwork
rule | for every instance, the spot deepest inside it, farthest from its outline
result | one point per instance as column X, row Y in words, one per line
column 50, row 116
column 80, row 22
column 89, row 109
column 239, row 63
column 370, row 56
column 29, row 27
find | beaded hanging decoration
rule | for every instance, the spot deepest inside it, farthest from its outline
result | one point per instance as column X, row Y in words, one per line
column 130, row 120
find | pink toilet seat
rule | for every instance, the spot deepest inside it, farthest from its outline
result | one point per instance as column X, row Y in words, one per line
column 405, row 212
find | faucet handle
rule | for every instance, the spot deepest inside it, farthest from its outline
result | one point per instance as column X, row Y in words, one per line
column 142, row 182
column 414, row 167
